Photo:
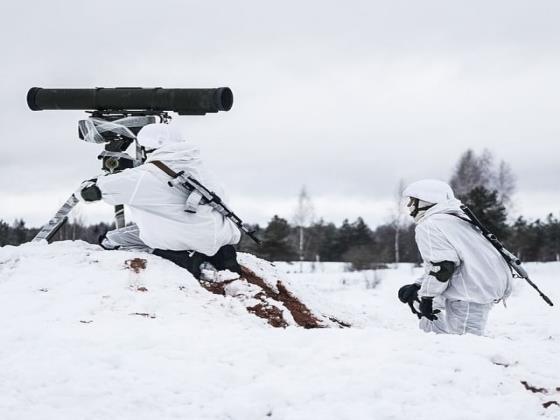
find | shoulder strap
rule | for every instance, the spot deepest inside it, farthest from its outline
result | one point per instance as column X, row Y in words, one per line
column 466, row 219
column 164, row 168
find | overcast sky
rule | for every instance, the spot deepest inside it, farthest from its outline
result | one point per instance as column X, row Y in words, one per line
column 346, row 98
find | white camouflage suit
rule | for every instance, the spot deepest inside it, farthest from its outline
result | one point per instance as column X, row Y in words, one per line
column 158, row 210
column 481, row 277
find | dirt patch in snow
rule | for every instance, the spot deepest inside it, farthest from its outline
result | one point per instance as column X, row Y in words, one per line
column 267, row 296
column 537, row 390
column 533, row 389
column 216, row 287
column 136, row 264
column 272, row 314
column 301, row 313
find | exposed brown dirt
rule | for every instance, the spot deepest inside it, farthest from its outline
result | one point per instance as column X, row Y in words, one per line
column 272, row 314
column 264, row 309
column 301, row 313
column 136, row 264
column 218, row 288
column 549, row 403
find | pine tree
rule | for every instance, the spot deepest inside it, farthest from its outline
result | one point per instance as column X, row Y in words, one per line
column 276, row 243
column 19, row 232
column 488, row 208
column 5, row 234
column 553, row 237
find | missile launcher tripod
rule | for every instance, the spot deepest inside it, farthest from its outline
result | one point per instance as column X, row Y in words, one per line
column 117, row 130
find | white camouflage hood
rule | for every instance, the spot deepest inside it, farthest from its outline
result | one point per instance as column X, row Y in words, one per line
column 181, row 153
column 180, row 157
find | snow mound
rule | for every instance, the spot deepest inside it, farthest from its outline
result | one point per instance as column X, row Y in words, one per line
column 77, row 282
column 90, row 334
column 119, row 284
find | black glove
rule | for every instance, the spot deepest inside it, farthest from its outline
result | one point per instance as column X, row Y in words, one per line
column 426, row 309
column 409, row 294
column 89, row 191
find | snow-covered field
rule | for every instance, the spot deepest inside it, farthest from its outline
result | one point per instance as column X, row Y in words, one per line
column 83, row 337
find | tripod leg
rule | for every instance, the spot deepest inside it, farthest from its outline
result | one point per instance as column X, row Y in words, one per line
column 119, row 216
column 57, row 221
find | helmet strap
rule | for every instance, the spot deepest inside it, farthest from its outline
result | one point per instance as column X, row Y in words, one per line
column 416, row 209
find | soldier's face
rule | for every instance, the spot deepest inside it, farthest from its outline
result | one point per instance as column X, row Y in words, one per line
column 412, row 206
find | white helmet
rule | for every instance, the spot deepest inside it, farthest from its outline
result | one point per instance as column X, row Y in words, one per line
column 154, row 136
column 429, row 190
column 425, row 194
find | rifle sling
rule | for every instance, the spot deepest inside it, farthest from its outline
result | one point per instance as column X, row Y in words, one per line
column 466, row 219
column 214, row 201
column 165, row 168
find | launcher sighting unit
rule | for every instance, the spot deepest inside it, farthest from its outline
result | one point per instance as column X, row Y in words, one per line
column 116, row 117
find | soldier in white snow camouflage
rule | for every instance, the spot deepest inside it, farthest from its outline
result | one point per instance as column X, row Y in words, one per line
column 161, row 224
column 461, row 266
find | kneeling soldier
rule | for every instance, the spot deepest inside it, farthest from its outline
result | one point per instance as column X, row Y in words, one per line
column 460, row 264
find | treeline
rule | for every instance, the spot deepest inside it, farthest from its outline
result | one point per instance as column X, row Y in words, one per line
column 17, row 233
column 483, row 186
column 353, row 242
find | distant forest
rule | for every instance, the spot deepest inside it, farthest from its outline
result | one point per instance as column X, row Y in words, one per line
column 483, row 186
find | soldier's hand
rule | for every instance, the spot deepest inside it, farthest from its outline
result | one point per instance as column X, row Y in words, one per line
column 426, row 308
column 88, row 191
column 409, row 293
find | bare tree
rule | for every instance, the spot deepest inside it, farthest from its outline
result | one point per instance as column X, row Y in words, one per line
column 472, row 171
column 303, row 217
column 505, row 182
column 480, row 171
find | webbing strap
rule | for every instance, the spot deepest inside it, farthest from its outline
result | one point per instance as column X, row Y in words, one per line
column 194, row 198
column 466, row 219
column 165, row 168
column 463, row 218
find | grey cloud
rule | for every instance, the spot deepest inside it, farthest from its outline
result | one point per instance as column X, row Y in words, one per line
column 345, row 98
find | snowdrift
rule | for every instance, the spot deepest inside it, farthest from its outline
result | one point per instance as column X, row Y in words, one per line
column 90, row 334
column 105, row 279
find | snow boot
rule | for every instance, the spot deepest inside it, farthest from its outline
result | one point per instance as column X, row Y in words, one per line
column 225, row 259
column 189, row 260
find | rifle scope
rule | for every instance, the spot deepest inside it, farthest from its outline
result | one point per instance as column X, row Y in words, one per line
column 182, row 101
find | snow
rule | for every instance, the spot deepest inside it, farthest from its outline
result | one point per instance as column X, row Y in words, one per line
column 72, row 346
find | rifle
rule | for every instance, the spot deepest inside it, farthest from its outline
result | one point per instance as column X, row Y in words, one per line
column 198, row 193
column 513, row 262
